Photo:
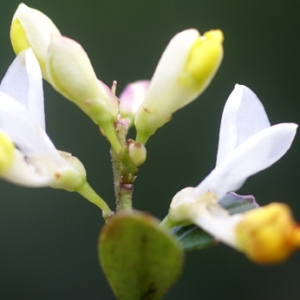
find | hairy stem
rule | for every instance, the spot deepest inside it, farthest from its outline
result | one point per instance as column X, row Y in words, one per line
column 123, row 178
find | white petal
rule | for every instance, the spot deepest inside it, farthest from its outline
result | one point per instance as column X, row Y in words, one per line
column 24, row 132
column 23, row 82
column 164, row 81
column 22, row 173
column 220, row 227
column 243, row 116
column 254, row 155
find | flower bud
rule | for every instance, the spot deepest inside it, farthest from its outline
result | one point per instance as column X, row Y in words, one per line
column 185, row 69
column 71, row 176
column 31, row 28
column 268, row 234
column 6, row 152
column 137, row 152
column 71, row 73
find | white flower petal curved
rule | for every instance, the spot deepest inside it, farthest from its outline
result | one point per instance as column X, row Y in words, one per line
column 25, row 133
column 23, row 82
column 165, row 77
column 252, row 156
column 23, row 173
column 243, row 116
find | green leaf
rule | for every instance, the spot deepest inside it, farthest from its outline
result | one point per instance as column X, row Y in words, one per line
column 141, row 260
column 192, row 237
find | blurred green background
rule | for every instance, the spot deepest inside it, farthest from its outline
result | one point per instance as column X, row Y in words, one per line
column 48, row 237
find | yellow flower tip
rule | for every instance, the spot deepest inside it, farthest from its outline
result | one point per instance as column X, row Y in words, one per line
column 32, row 28
column 268, row 234
column 6, row 152
column 204, row 60
column 18, row 37
column 214, row 35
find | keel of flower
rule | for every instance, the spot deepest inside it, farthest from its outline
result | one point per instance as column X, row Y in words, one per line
column 204, row 60
column 269, row 234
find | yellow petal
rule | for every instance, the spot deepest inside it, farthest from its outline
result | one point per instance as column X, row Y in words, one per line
column 268, row 234
column 18, row 37
column 32, row 28
column 204, row 60
column 6, row 152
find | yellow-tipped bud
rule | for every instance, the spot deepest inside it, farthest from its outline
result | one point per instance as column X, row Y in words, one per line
column 18, row 37
column 268, row 234
column 185, row 69
column 204, row 60
column 6, row 152
column 70, row 72
column 31, row 28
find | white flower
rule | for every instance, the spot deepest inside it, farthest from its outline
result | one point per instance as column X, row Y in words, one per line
column 36, row 162
column 247, row 145
column 184, row 70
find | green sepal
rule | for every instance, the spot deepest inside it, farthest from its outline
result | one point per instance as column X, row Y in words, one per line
column 193, row 238
column 141, row 260
column 235, row 203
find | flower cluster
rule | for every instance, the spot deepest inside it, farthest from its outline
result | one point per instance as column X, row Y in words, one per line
column 248, row 143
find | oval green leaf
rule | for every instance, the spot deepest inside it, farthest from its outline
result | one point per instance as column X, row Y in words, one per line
column 141, row 261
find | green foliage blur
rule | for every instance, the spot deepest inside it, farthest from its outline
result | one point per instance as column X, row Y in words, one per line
column 49, row 237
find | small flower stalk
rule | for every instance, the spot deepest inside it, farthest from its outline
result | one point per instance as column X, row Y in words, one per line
column 185, row 69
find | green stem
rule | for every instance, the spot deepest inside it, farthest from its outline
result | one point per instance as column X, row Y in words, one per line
column 88, row 193
column 111, row 135
column 142, row 137
column 123, row 179
column 167, row 224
